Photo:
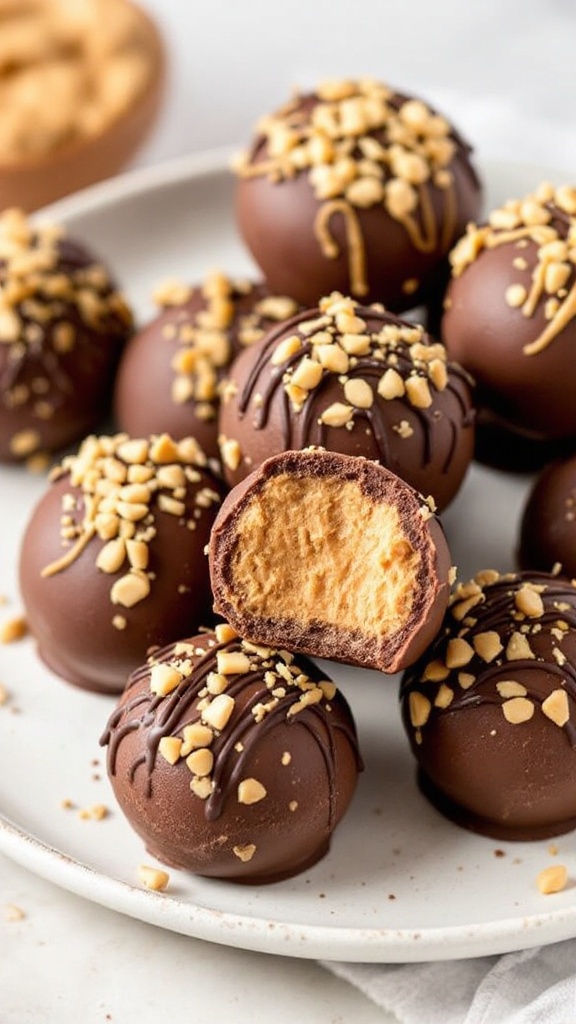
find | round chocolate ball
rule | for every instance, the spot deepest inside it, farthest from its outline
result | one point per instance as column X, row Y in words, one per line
column 356, row 380
column 112, row 560
column 490, row 710
column 548, row 523
column 510, row 312
column 355, row 188
column 169, row 375
column 232, row 760
column 63, row 325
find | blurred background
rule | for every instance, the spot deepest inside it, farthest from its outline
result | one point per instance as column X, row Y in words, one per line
column 85, row 89
column 503, row 70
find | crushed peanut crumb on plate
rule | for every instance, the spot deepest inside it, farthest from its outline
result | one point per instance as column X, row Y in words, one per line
column 552, row 879
column 13, row 629
column 13, row 912
column 95, row 813
column 153, row 878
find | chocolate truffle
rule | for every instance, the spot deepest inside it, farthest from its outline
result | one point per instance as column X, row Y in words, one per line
column 514, row 451
column 548, row 522
column 112, row 560
column 63, row 324
column 490, row 709
column 358, row 189
column 169, row 374
column 510, row 312
column 232, row 760
column 330, row 555
column 352, row 379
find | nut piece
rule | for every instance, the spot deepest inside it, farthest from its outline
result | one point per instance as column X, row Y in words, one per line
column 13, row 629
column 529, row 602
column 170, row 748
column 153, row 878
column 232, row 662
column 13, row 913
column 487, row 645
column 518, row 710
column 218, row 711
column 556, row 707
column 552, row 879
column 458, row 653
column 244, row 853
column 250, row 791
column 420, row 708
column 163, row 679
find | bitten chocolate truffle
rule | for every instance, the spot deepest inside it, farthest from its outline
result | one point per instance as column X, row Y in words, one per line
column 510, row 312
column 355, row 188
column 63, row 324
column 112, row 560
column 548, row 522
column 490, row 709
column 352, row 379
column 330, row 555
column 169, row 375
column 232, row 760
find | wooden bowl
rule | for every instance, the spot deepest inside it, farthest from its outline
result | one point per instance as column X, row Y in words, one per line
column 35, row 182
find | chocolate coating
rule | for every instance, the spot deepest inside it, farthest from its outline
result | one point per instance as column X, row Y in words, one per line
column 514, row 451
column 548, row 523
column 490, row 709
column 385, row 392
column 510, row 312
column 333, row 556
column 62, row 330
column 169, row 375
column 355, row 188
column 254, row 798
column 112, row 560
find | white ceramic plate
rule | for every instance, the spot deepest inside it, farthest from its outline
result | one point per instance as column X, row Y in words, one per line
column 400, row 883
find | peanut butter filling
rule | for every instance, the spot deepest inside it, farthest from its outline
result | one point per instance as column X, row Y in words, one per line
column 316, row 565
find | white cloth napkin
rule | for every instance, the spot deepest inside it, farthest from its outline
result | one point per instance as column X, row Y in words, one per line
column 535, row 986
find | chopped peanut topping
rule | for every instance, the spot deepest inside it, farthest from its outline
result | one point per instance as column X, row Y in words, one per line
column 229, row 663
column 546, row 218
column 250, row 791
column 164, row 678
column 218, row 711
column 244, row 853
column 518, row 710
column 360, row 151
column 125, row 484
column 556, row 707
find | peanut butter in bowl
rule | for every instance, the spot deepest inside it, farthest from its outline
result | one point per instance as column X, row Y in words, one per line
column 80, row 87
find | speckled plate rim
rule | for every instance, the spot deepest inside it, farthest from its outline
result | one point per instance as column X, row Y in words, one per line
column 259, row 933
column 276, row 937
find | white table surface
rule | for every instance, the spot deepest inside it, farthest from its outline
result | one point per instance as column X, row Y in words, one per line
column 504, row 72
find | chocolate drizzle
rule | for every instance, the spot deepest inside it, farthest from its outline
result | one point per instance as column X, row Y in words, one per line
column 235, row 746
column 63, row 324
column 362, row 146
column 550, row 639
column 305, row 427
column 547, row 220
